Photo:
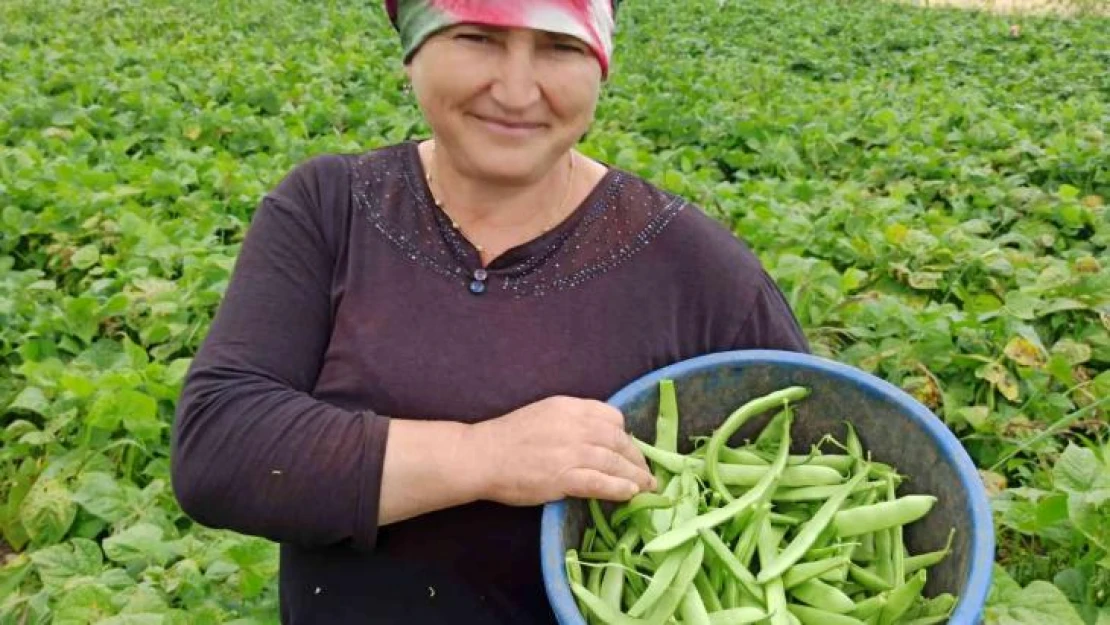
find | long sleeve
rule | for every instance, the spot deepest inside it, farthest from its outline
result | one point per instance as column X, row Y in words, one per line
column 770, row 323
column 252, row 450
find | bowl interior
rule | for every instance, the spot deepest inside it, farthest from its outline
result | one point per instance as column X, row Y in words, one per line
column 893, row 427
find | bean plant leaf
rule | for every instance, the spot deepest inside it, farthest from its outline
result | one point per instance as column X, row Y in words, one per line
column 59, row 564
column 88, row 603
column 1086, row 480
column 30, row 399
column 1038, row 603
column 102, row 495
column 142, row 544
column 48, row 511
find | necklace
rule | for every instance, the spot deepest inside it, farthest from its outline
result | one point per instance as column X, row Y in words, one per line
column 455, row 224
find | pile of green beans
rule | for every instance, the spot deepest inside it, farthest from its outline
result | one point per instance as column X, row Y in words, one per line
column 754, row 534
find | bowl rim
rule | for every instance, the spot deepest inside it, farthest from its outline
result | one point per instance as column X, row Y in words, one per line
column 977, row 583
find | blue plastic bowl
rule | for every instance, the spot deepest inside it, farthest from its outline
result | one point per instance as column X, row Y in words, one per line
column 893, row 426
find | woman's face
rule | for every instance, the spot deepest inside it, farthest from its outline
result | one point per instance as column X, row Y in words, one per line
column 505, row 103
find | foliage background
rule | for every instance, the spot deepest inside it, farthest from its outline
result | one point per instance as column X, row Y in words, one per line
column 928, row 189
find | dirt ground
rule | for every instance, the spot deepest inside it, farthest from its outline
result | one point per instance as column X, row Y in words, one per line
column 1018, row 7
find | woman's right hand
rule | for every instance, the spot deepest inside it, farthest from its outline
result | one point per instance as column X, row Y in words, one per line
column 559, row 447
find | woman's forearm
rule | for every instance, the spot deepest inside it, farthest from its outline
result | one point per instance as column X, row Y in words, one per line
column 429, row 465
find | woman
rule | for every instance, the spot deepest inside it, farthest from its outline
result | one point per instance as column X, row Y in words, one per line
column 415, row 346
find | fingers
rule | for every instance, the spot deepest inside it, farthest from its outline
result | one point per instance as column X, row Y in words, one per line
column 605, row 412
column 628, row 449
column 612, row 463
column 590, row 484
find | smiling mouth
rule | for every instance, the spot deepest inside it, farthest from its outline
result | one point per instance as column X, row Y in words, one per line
column 511, row 125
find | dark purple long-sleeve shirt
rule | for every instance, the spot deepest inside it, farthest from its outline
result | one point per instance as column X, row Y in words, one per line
column 353, row 301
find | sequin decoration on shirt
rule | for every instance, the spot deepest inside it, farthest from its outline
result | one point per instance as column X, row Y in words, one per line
column 617, row 220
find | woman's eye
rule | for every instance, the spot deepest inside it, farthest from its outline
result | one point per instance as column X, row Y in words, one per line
column 568, row 47
column 475, row 37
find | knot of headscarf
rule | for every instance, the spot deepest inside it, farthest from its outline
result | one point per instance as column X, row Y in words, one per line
column 591, row 21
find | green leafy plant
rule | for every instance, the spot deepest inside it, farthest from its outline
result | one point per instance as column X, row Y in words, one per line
column 928, row 189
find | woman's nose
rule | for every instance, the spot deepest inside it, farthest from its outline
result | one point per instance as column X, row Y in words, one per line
column 516, row 85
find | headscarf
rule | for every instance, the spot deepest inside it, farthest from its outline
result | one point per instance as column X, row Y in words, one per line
column 591, row 21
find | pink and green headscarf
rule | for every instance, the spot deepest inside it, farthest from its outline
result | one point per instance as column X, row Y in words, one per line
column 589, row 20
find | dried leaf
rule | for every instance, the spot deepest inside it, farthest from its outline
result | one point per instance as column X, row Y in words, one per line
column 995, row 483
column 1001, row 379
column 925, row 280
column 1025, row 353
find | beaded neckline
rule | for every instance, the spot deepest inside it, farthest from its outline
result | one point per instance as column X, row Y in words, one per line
column 620, row 216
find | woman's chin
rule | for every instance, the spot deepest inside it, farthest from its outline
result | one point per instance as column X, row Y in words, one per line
column 507, row 166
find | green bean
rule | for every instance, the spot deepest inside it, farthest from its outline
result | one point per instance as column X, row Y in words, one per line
column 709, row 595
column 853, row 443
column 866, row 550
column 612, row 582
column 746, row 600
column 688, row 530
column 746, row 545
column 640, row 501
column 914, row 564
column 841, row 463
column 672, row 596
column 774, row 594
column 883, row 515
column 666, row 425
column 897, row 546
column 734, row 529
column 838, row 575
column 870, row 606
column 633, row 563
column 817, row 493
column 574, row 572
column 775, row 597
column 883, row 567
column 821, row 595
column 662, row 580
column 807, row 570
column 733, row 423
column 743, row 456
column 602, row 525
column 822, row 553
column 902, row 598
column 593, row 583
column 693, row 609
column 740, row 474
column 785, row 519
column 605, row 613
column 737, row 616
column 867, row 579
column 941, row 604
column 809, row 531
column 814, row 616
column 588, row 539
column 928, row 620
column 663, row 519
column 719, row 549
column 686, row 508
column 730, row 596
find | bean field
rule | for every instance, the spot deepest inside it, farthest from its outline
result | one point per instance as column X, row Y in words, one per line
column 927, row 186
